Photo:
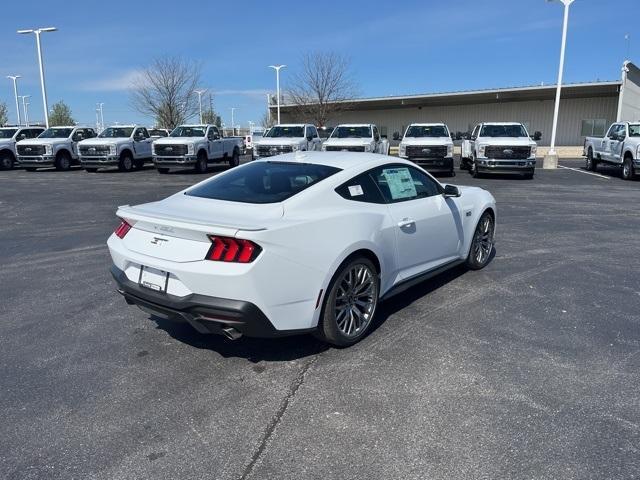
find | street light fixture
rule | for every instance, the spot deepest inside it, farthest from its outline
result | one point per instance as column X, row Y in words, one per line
column 551, row 159
column 277, row 69
column 15, row 93
column 37, row 33
column 24, row 108
column 200, row 92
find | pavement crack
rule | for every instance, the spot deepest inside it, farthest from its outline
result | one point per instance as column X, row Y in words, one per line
column 277, row 417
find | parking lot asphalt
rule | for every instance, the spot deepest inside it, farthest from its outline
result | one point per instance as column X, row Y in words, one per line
column 529, row 368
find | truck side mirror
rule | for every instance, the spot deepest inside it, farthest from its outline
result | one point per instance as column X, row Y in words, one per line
column 22, row 136
column 537, row 136
column 309, row 138
column 396, row 135
column 377, row 138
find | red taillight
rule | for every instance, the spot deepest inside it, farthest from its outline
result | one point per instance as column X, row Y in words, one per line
column 122, row 229
column 228, row 249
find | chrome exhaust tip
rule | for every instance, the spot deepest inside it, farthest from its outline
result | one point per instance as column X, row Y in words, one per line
column 231, row 333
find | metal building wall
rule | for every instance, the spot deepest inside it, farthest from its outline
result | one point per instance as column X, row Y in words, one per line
column 537, row 115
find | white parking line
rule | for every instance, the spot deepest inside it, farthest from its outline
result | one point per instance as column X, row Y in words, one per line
column 582, row 171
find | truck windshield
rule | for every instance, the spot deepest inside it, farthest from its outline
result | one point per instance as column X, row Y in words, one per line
column 8, row 132
column 634, row 130
column 263, row 182
column 154, row 132
column 56, row 133
column 188, row 132
column 416, row 131
column 503, row 131
column 278, row 132
column 351, row 132
column 116, row 132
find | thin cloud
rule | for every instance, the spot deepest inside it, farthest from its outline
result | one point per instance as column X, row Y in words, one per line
column 118, row 83
column 250, row 92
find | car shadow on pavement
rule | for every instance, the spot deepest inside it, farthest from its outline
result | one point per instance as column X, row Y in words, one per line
column 255, row 350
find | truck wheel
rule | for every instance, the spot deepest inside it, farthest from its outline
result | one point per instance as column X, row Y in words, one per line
column 473, row 169
column 590, row 163
column 234, row 161
column 6, row 161
column 91, row 170
column 163, row 170
column 63, row 162
column 126, row 163
column 627, row 169
column 201, row 163
column 528, row 176
column 139, row 163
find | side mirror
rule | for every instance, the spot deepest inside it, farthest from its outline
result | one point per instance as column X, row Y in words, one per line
column 396, row 135
column 22, row 136
column 613, row 136
column 451, row 191
column 309, row 138
column 377, row 138
column 536, row 136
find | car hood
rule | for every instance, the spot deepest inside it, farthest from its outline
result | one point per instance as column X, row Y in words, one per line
column 178, row 140
column 280, row 141
column 45, row 141
column 511, row 141
column 427, row 141
column 104, row 141
column 347, row 142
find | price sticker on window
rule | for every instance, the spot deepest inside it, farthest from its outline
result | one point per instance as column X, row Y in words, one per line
column 355, row 190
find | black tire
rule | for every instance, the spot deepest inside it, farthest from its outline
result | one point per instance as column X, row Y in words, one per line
column 329, row 329
column 30, row 169
column 482, row 243
column 473, row 169
column 528, row 176
column 6, row 161
column 91, row 169
column 63, row 161
column 126, row 162
column 590, row 163
column 138, row 163
column 163, row 171
column 202, row 163
column 234, row 160
column 627, row 169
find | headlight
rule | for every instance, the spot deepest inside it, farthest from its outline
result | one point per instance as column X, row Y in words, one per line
column 112, row 150
column 638, row 152
column 449, row 150
column 48, row 149
column 481, row 150
column 402, row 150
column 324, row 148
column 191, row 148
column 534, row 150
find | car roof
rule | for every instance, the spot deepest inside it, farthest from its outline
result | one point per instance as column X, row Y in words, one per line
column 292, row 125
column 501, row 123
column 433, row 124
column 342, row 160
column 355, row 125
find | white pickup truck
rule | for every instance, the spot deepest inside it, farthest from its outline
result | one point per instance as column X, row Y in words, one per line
column 55, row 147
column 621, row 147
column 122, row 146
column 429, row 145
column 9, row 136
column 499, row 147
column 287, row 138
column 361, row 137
column 196, row 146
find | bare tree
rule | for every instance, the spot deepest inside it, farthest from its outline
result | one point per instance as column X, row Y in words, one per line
column 4, row 114
column 165, row 90
column 322, row 88
column 267, row 120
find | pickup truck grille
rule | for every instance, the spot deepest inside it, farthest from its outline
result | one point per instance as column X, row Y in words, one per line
column 170, row 150
column 507, row 152
column 424, row 151
column 29, row 150
column 94, row 150
column 335, row 148
column 270, row 150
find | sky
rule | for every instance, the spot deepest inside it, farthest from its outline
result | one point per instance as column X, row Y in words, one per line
column 394, row 47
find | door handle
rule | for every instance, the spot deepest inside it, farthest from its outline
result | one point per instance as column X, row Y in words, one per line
column 406, row 222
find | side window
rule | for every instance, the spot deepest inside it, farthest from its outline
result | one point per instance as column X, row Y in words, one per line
column 210, row 134
column 474, row 134
column 214, row 132
column 375, row 132
column 399, row 183
column 145, row 133
column 612, row 129
column 314, row 132
column 361, row 189
column 622, row 130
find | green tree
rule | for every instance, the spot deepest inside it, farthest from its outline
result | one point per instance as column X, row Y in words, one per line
column 60, row 115
column 4, row 114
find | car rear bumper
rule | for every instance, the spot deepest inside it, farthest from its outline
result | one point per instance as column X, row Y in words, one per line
column 37, row 161
column 205, row 314
column 165, row 162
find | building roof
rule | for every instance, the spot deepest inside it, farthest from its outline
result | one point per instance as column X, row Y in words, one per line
column 508, row 94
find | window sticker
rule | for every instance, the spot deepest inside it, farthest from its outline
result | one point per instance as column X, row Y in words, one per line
column 355, row 190
column 400, row 183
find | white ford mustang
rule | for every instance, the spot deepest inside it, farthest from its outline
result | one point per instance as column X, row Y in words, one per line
column 303, row 242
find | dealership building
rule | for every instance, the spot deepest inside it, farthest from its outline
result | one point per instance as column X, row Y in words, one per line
column 585, row 108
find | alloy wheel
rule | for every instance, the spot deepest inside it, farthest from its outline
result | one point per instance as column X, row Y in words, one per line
column 483, row 240
column 356, row 300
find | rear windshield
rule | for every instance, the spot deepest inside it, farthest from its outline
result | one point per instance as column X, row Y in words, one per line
column 416, row 131
column 263, row 182
column 503, row 131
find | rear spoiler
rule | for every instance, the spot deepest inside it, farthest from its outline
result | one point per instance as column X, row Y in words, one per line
column 138, row 214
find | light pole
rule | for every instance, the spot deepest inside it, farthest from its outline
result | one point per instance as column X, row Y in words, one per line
column 277, row 69
column 200, row 92
column 100, row 105
column 551, row 159
column 37, row 33
column 24, row 108
column 15, row 93
column 233, row 125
